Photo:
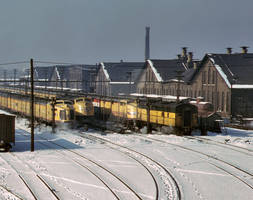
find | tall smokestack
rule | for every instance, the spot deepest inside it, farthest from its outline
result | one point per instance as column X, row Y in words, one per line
column 147, row 50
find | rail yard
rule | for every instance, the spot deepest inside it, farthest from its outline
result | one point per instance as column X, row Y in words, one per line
column 93, row 164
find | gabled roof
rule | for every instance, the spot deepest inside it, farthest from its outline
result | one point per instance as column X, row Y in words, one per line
column 236, row 69
column 166, row 70
column 61, row 71
column 120, row 72
column 43, row 73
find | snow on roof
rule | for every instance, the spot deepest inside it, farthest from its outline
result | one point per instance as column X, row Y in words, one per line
column 202, row 102
column 123, row 83
column 159, row 78
column 238, row 86
column 159, row 96
column 223, row 75
column 105, row 71
column 176, row 80
column 57, row 73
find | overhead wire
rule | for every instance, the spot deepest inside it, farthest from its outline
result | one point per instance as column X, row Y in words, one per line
column 15, row 63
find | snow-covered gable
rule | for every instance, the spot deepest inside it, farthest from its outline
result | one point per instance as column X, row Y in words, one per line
column 219, row 69
column 57, row 73
column 157, row 75
column 105, row 72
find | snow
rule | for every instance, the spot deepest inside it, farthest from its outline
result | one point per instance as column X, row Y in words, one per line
column 59, row 159
column 157, row 75
column 105, row 72
column 240, row 86
column 123, row 83
column 223, row 75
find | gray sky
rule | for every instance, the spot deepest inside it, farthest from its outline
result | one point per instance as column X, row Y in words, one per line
column 91, row 31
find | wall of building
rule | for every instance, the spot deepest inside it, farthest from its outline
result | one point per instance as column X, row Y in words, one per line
column 102, row 84
column 209, row 84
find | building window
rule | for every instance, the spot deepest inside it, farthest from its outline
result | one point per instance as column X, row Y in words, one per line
column 209, row 76
column 222, row 101
column 217, row 100
column 227, row 102
column 213, row 78
column 203, row 77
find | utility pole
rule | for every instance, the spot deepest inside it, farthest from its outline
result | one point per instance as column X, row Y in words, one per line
column 15, row 73
column 130, row 81
column 32, row 105
column 5, row 77
column 149, row 128
column 53, row 114
column 179, row 78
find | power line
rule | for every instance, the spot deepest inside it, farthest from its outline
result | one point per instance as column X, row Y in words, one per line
column 55, row 63
column 15, row 63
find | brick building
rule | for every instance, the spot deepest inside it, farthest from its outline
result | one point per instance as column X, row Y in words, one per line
column 118, row 78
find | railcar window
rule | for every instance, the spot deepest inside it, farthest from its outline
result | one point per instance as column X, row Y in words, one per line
column 72, row 114
column 63, row 115
column 78, row 100
column 68, row 102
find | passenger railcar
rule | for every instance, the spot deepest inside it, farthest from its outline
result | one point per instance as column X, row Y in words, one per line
column 43, row 108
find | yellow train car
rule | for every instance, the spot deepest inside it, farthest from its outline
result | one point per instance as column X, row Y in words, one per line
column 168, row 117
column 83, row 108
column 43, row 109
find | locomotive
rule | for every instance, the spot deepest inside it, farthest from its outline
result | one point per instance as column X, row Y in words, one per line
column 169, row 117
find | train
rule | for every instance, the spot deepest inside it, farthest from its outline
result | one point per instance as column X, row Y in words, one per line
column 134, row 112
column 68, row 108
column 168, row 117
column 46, row 110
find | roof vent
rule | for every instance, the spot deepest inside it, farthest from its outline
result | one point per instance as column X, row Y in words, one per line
column 229, row 50
column 195, row 65
column 244, row 49
column 184, row 51
column 190, row 56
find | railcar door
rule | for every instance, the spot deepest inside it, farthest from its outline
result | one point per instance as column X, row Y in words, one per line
column 187, row 118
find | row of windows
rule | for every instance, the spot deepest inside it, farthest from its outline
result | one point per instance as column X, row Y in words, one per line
column 210, row 78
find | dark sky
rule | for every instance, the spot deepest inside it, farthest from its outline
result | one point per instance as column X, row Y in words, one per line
column 91, row 31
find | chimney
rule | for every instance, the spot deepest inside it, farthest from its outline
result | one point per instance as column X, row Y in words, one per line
column 147, row 50
column 184, row 51
column 190, row 56
column 229, row 50
column 244, row 49
column 195, row 65
column 199, row 99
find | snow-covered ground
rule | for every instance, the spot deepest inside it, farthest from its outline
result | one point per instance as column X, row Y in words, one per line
column 98, row 165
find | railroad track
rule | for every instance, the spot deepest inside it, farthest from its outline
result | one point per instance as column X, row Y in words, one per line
column 175, row 192
column 10, row 195
column 227, row 145
column 244, row 172
column 135, row 194
column 27, row 183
